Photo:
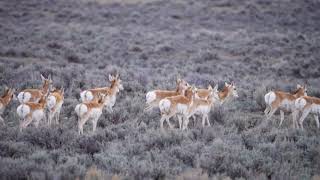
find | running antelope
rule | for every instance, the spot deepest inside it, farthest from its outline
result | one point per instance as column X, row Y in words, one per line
column 306, row 105
column 228, row 91
column 203, row 106
column 5, row 99
column 30, row 111
column 90, row 110
column 54, row 104
column 153, row 97
column 284, row 101
column 110, row 92
column 34, row 95
column 176, row 105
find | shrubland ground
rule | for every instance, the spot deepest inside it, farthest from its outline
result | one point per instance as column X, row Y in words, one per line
column 258, row 44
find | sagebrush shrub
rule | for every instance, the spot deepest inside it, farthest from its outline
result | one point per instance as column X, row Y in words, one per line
column 149, row 44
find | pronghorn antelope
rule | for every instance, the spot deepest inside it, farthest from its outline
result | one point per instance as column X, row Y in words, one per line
column 203, row 106
column 153, row 97
column 283, row 101
column 90, row 110
column 306, row 105
column 34, row 95
column 228, row 91
column 176, row 105
column 110, row 92
column 54, row 104
column 30, row 111
column 5, row 100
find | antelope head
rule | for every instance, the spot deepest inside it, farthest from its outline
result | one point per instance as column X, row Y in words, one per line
column 191, row 92
column 9, row 94
column 59, row 91
column 214, row 93
column 182, row 85
column 47, row 84
column 116, row 82
column 232, row 89
column 301, row 90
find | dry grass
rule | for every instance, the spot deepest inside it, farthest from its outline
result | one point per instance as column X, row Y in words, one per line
column 120, row 1
column 255, row 43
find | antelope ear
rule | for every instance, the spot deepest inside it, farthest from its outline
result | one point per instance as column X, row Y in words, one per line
column 14, row 95
column 62, row 90
column 226, row 84
column 194, row 89
column 298, row 86
column 209, row 87
column 42, row 77
column 110, row 77
column 232, row 83
column 49, row 77
column 215, row 87
column 178, row 77
column 178, row 80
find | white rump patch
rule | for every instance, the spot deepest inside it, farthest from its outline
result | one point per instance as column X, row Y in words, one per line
column 270, row 97
column 23, row 110
column 51, row 102
column 86, row 96
column 81, row 109
column 24, row 97
column 150, row 96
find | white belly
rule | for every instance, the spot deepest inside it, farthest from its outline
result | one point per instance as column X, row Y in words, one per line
column 202, row 110
column 1, row 108
column 287, row 105
column 315, row 109
column 95, row 113
column 38, row 114
column 182, row 108
column 59, row 105
column 111, row 101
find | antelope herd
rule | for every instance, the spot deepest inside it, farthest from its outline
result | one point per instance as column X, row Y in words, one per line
column 184, row 102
